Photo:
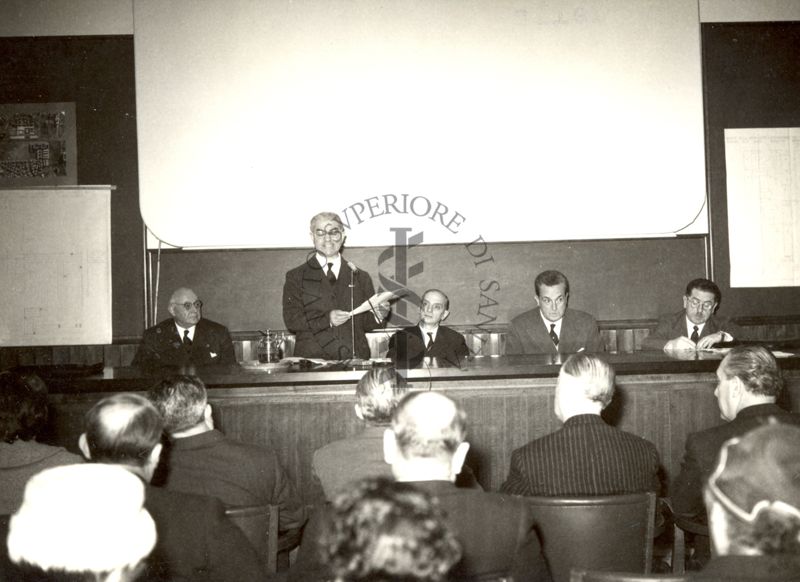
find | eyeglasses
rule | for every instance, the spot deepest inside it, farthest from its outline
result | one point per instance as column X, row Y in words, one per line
column 728, row 503
column 559, row 301
column 334, row 233
column 187, row 305
column 706, row 305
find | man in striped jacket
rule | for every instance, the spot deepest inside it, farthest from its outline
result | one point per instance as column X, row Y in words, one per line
column 585, row 456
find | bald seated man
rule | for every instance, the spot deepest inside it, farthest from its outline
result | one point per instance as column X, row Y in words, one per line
column 409, row 347
column 426, row 448
column 185, row 339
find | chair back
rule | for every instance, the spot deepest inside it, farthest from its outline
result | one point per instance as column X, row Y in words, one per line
column 260, row 525
column 594, row 576
column 612, row 533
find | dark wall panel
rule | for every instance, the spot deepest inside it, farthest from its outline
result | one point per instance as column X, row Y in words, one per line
column 751, row 78
column 97, row 74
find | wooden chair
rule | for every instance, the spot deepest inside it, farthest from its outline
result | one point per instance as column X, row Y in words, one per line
column 595, row 576
column 612, row 533
column 260, row 525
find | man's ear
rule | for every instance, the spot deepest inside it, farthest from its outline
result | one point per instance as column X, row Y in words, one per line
column 208, row 416
column 83, row 445
column 359, row 412
column 390, row 451
column 445, row 315
column 155, row 455
column 458, row 458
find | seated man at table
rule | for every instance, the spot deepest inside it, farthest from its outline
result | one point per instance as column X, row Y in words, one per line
column 317, row 298
column 696, row 326
column 753, row 501
column 200, row 459
column 425, row 447
column 552, row 327
column 409, row 346
column 341, row 462
column 186, row 338
column 585, row 456
column 750, row 382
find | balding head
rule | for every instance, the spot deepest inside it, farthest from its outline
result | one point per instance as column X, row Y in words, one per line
column 185, row 308
column 123, row 429
column 426, row 441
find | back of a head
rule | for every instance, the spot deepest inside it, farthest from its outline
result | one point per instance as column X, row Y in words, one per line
column 590, row 375
column 23, row 410
column 81, row 522
column 384, row 531
column 123, row 428
column 181, row 400
column 428, row 425
column 377, row 394
column 754, row 493
column 756, row 367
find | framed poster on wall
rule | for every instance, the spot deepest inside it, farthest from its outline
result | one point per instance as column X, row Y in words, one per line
column 38, row 145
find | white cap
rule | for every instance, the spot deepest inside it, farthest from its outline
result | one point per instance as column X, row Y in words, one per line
column 79, row 518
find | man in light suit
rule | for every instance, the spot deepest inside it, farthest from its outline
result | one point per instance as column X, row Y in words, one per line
column 317, row 298
column 186, row 338
column 696, row 326
column 552, row 327
column 411, row 345
column 426, row 448
column 585, row 456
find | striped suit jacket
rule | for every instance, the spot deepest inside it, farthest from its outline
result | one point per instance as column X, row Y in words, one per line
column 585, row 457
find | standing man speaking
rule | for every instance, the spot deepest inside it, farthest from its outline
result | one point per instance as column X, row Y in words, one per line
column 319, row 294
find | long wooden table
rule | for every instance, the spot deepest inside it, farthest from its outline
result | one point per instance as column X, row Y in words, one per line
column 508, row 400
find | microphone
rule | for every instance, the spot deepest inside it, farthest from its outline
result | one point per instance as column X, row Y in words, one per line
column 352, row 267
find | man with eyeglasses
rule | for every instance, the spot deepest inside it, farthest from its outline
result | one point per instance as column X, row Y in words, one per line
column 553, row 328
column 696, row 326
column 319, row 295
column 749, row 384
column 185, row 339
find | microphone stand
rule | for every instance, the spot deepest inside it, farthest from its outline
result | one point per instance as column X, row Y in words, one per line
column 352, row 317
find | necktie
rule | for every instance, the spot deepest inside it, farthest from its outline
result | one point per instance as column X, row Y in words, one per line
column 553, row 334
column 695, row 335
column 330, row 275
column 187, row 341
column 430, row 341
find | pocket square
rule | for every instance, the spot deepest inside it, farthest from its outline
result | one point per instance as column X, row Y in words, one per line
column 212, row 354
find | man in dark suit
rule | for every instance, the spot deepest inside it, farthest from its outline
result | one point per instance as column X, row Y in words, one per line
column 195, row 540
column 552, row 327
column 586, row 456
column 696, row 326
column 186, row 338
column 319, row 295
column 409, row 346
column 200, row 459
column 425, row 447
column 749, row 385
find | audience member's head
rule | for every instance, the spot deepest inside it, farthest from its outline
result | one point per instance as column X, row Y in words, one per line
column 124, row 429
column 384, row 531
column 701, row 300
column 753, row 496
column 426, row 440
column 185, row 308
column 183, row 404
column 552, row 294
column 748, row 375
column 81, row 523
column 585, row 385
column 377, row 394
column 23, row 408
